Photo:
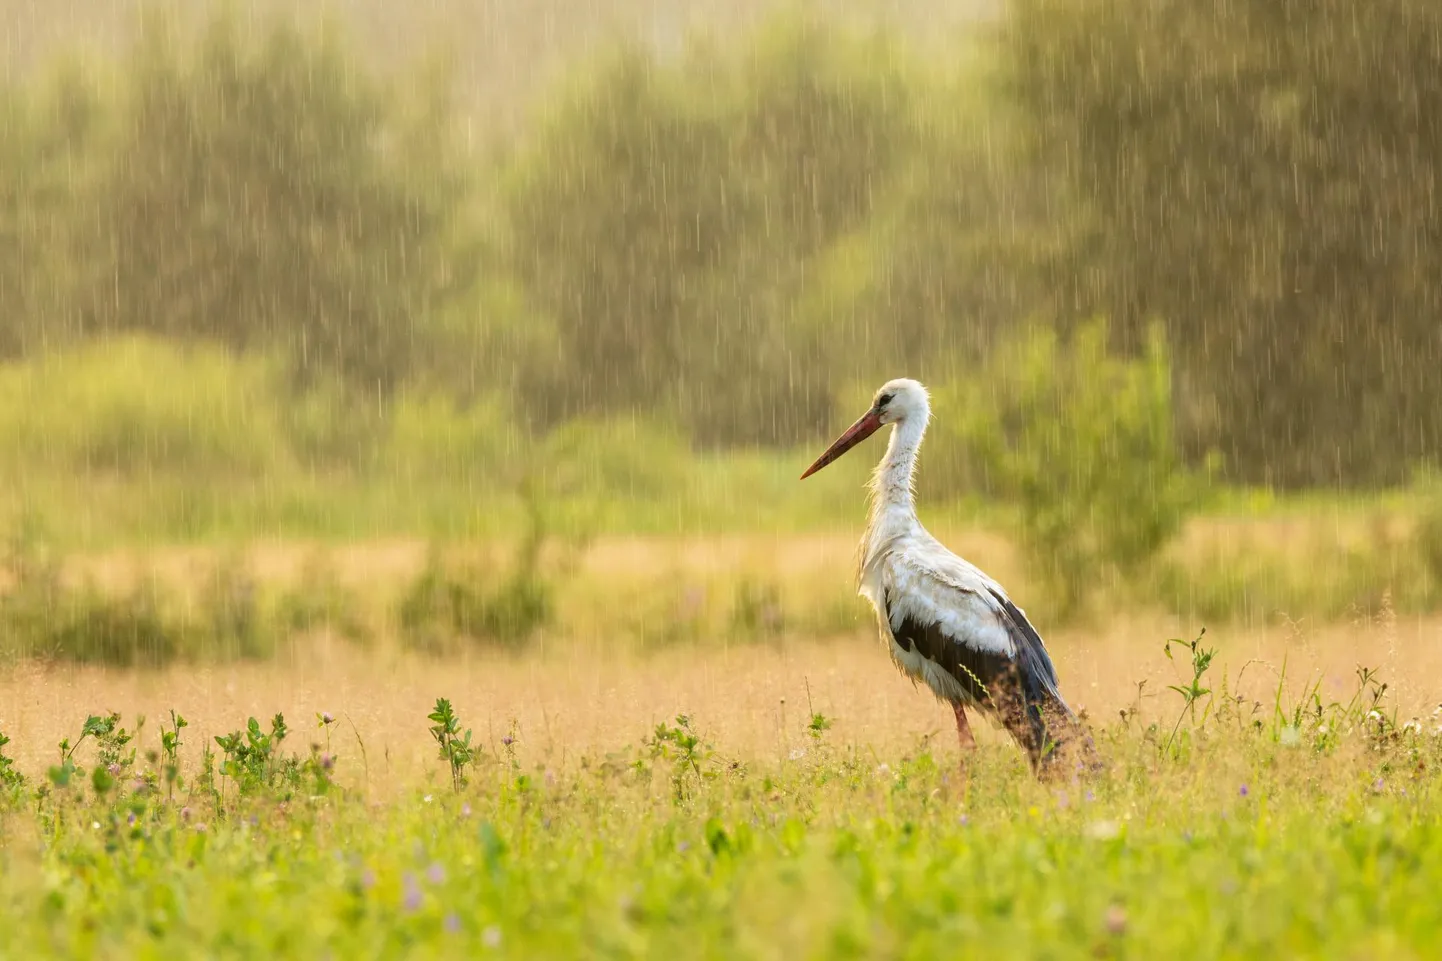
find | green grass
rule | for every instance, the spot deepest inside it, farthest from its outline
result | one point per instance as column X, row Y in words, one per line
column 1227, row 839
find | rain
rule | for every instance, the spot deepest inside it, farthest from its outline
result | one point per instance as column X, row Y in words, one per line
column 447, row 372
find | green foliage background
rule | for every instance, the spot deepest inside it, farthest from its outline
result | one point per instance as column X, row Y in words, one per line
column 732, row 235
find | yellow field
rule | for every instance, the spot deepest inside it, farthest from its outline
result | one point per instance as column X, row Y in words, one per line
column 585, row 692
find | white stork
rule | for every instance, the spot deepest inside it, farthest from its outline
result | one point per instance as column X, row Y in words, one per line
column 944, row 621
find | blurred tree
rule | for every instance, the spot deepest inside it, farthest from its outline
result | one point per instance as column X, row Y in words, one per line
column 667, row 217
column 263, row 193
column 46, row 136
column 1265, row 175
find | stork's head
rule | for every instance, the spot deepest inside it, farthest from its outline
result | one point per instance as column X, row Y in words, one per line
column 898, row 401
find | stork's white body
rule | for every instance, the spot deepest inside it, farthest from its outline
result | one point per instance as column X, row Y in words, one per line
column 929, row 584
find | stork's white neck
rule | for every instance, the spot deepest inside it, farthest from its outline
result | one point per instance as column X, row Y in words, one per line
column 893, row 507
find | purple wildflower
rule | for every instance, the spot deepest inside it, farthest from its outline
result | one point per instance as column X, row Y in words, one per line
column 452, row 922
column 412, row 900
column 368, row 879
column 436, row 873
column 1244, row 792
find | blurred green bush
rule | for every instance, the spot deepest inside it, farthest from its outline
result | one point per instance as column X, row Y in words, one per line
column 1079, row 442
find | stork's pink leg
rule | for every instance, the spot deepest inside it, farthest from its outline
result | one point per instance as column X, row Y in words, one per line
column 963, row 728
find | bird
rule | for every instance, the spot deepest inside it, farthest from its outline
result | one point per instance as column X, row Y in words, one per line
column 945, row 622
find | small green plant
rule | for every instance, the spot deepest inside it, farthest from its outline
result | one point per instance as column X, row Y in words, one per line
column 12, row 782
column 112, row 737
column 113, row 762
column 252, row 758
column 170, row 752
column 455, row 747
column 687, row 752
column 819, row 724
column 1201, row 662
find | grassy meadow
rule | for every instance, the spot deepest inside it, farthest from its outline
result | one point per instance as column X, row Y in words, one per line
column 676, row 732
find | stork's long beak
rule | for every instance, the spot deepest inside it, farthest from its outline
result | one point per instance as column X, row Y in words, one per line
column 853, row 435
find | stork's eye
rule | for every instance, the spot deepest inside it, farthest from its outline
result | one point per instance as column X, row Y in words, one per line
column 883, row 400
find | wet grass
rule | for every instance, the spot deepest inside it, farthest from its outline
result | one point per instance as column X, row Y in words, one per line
column 1295, row 825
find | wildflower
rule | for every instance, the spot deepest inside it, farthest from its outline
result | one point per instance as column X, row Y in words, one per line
column 185, row 813
column 883, row 770
column 412, row 899
column 1244, row 792
column 130, row 819
column 114, row 770
column 368, row 879
column 452, row 923
column 327, row 762
column 1116, row 920
column 1379, row 786
column 491, row 937
column 798, row 754
column 682, row 846
column 466, row 810
column 1091, row 796
column 427, row 799
column 326, row 717
column 1413, row 726
column 508, row 740
column 436, row 873
column 1374, row 715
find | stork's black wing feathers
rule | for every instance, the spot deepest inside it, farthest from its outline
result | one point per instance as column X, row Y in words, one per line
column 1031, row 651
column 1018, row 690
column 980, row 673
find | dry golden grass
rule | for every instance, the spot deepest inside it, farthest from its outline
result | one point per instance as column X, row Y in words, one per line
column 582, row 698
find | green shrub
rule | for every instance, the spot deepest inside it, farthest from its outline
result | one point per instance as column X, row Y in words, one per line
column 448, row 602
column 430, row 436
column 1079, row 442
column 320, row 601
column 136, row 405
column 1428, row 535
